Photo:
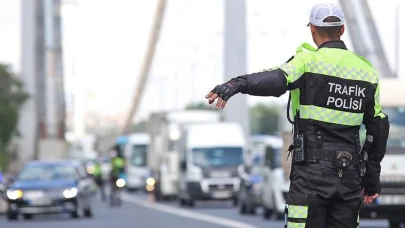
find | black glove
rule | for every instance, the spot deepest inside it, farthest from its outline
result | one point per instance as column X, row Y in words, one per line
column 371, row 185
column 226, row 90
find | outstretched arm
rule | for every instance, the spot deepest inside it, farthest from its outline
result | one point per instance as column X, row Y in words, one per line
column 273, row 82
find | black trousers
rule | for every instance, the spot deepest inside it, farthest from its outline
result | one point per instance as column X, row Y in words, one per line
column 319, row 198
column 100, row 183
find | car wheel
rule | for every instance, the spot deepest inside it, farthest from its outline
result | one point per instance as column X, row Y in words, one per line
column 27, row 216
column 12, row 216
column 182, row 202
column 267, row 212
column 88, row 213
column 395, row 224
column 74, row 214
column 280, row 216
column 242, row 208
column 235, row 201
column 158, row 196
column 190, row 203
column 77, row 213
column 252, row 210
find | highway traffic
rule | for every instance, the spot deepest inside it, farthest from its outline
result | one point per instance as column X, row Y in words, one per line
column 140, row 211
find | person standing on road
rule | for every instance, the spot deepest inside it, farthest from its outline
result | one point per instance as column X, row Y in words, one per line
column 117, row 168
column 117, row 163
column 98, row 179
column 333, row 91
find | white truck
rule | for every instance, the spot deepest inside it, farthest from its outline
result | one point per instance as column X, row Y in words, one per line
column 209, row 158
column 136, row 168
column 391, row 202
column 164, row 129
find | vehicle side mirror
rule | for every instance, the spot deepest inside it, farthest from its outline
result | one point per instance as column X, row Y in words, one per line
column 183, row 165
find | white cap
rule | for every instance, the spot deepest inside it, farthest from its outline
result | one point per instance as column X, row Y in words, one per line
column 321, row 11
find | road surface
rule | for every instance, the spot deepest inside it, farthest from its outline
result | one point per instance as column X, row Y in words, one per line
column 139, row 211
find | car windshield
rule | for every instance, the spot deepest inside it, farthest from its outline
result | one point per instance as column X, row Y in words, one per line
column 138, row 156
column 396, row 139
column 47, row 173
column 221, row 156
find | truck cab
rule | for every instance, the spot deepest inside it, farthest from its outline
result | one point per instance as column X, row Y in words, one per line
column 210, row 155
column 165, row 130
column 136, row 161
column 391, row 202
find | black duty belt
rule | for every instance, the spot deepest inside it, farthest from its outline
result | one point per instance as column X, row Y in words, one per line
column 315, row 154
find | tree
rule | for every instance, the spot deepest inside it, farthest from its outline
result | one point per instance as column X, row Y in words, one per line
column 12, row 96
column 264, row 119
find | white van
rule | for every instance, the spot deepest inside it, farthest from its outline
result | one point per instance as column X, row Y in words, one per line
column 209, row 158
column 275, row 184
column 136, row 161
column 165, row 129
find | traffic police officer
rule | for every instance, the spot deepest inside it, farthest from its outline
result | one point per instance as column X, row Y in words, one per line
column 117, row 164
column 99, row 179
column 333, row 91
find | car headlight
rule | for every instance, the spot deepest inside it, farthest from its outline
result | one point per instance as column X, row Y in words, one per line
column 14, row 194
column 70, row 193
column 90, row 169
column 120, row 183
column 150, row 181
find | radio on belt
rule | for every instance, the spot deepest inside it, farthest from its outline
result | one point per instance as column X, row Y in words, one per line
column 299, row 155
column 297, row 147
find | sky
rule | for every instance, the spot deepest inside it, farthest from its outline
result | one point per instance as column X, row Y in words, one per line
column 105, row 40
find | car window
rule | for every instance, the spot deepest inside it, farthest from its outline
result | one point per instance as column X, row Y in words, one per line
column 48, row 173
column 139, row 155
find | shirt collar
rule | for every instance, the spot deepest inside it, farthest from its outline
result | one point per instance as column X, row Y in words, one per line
column 333, row 44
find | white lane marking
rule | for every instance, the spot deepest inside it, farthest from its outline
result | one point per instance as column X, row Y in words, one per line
column 185, row 213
